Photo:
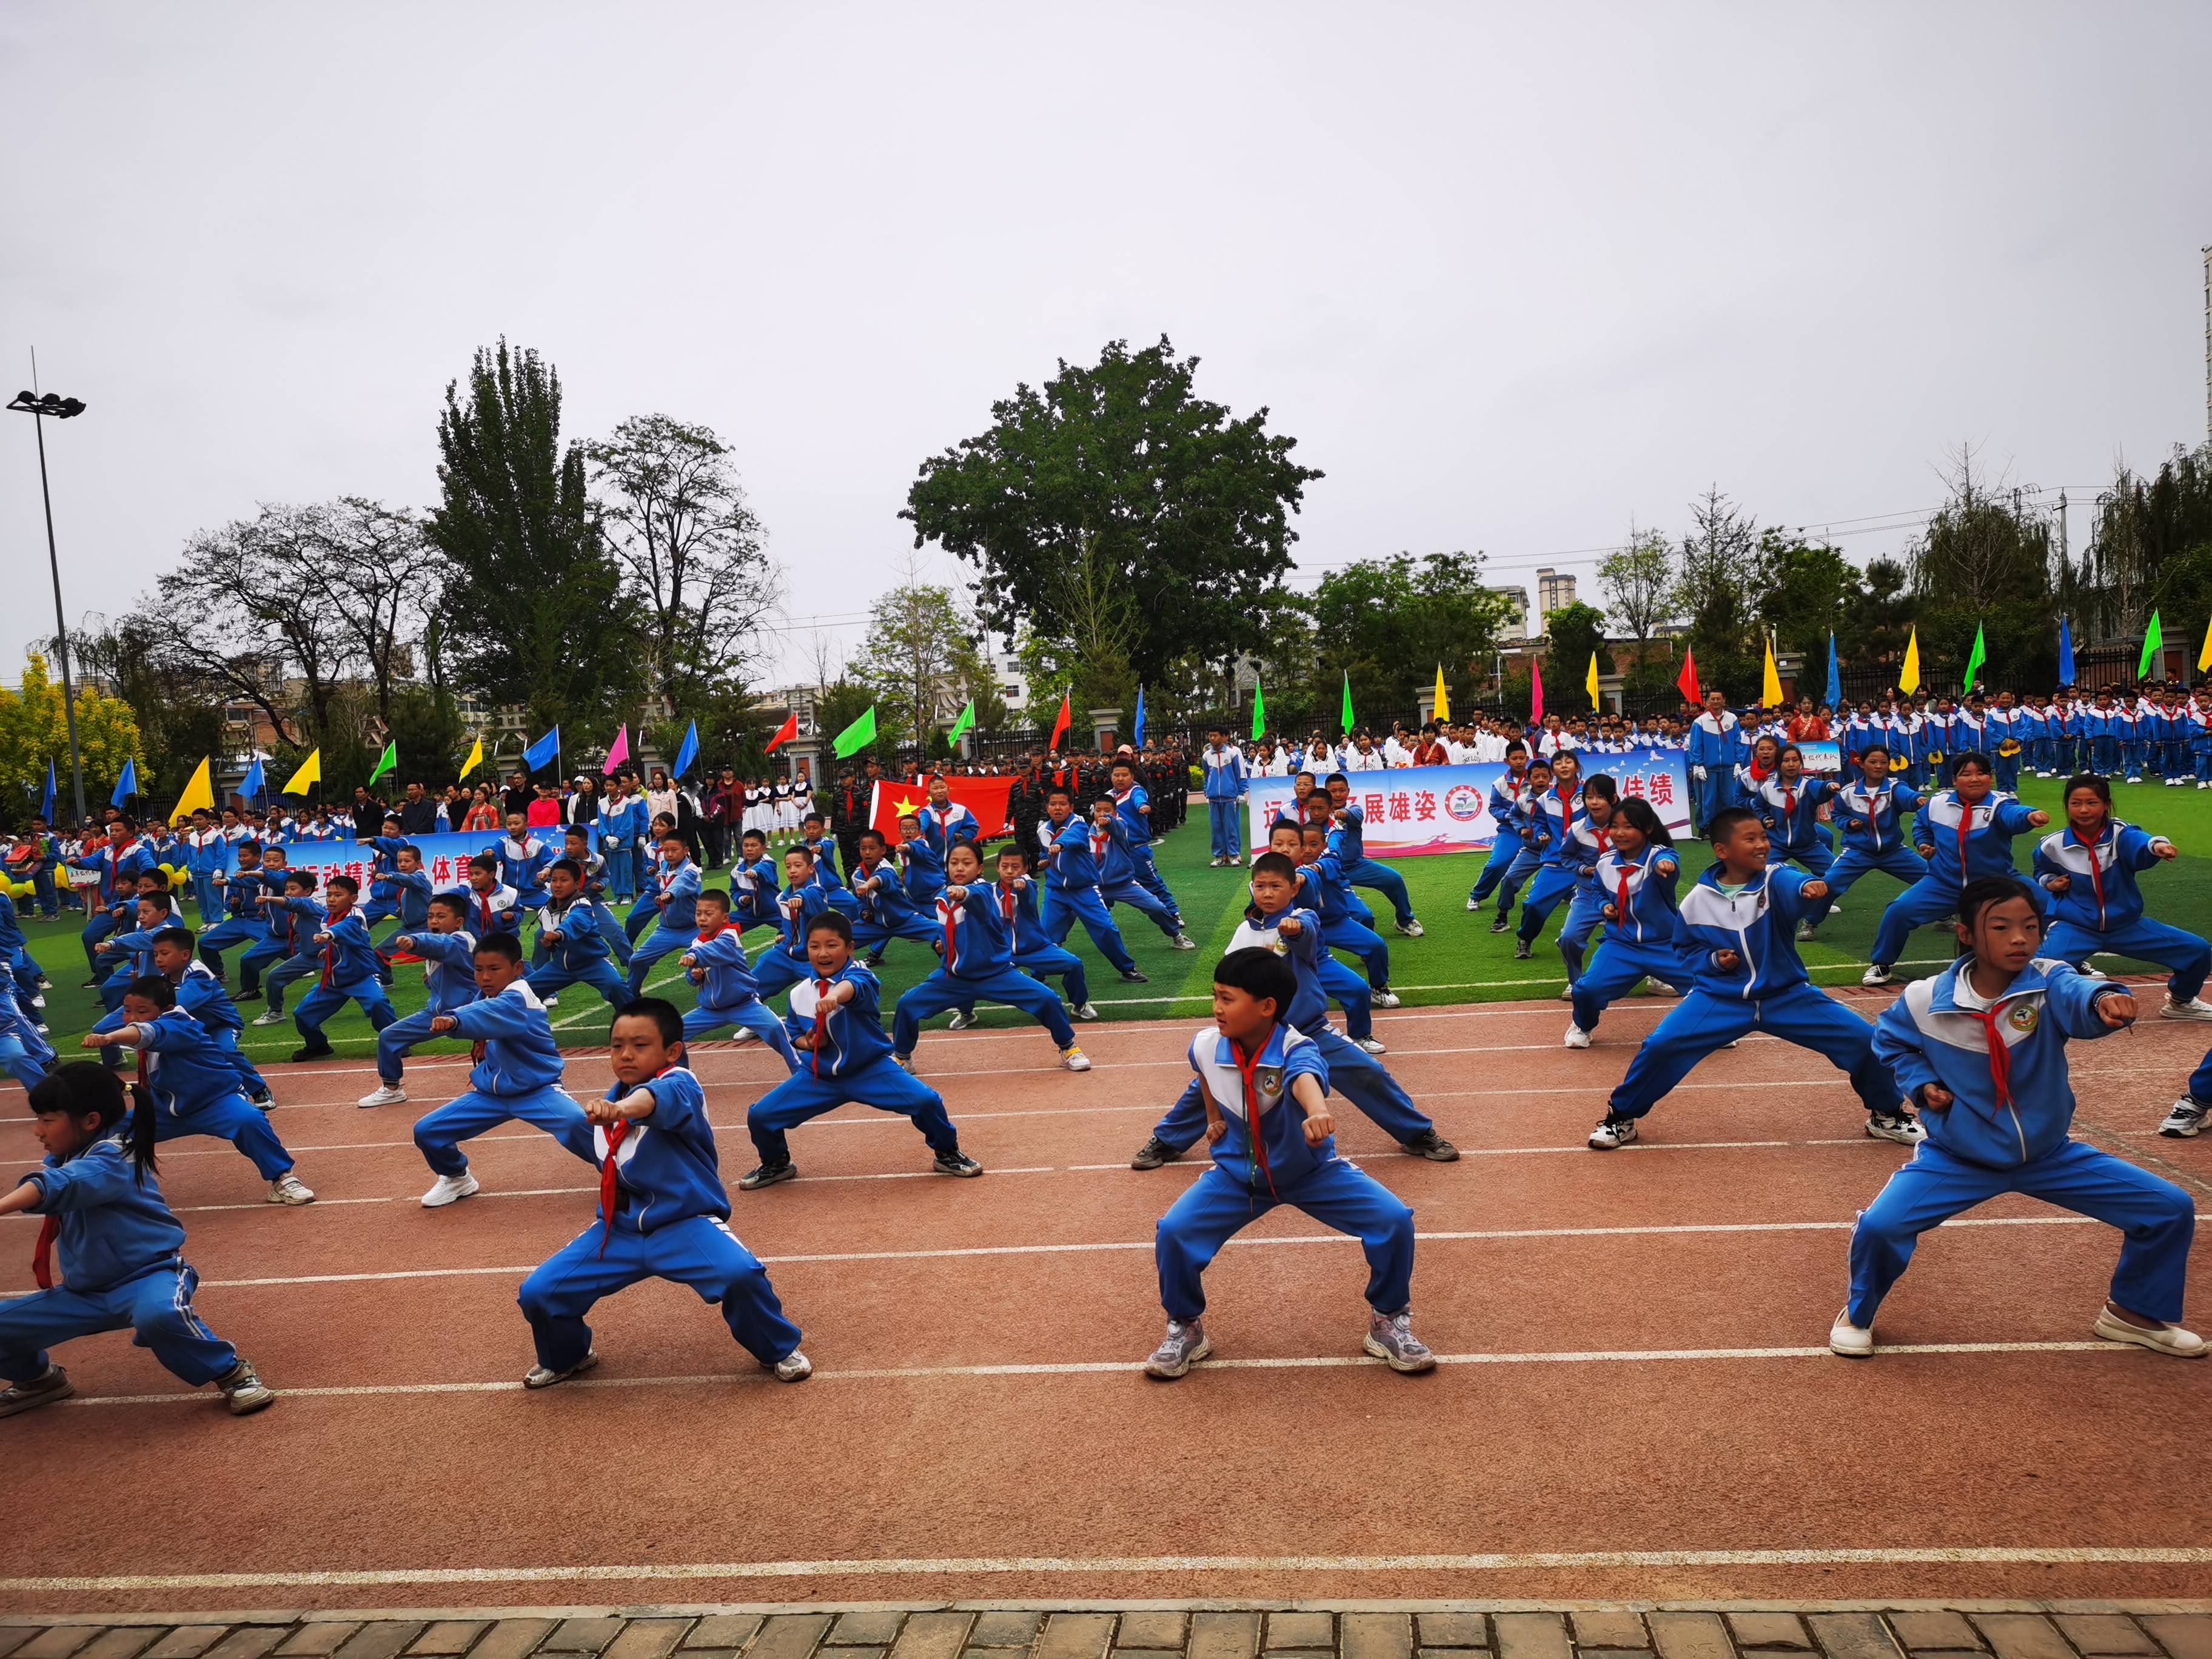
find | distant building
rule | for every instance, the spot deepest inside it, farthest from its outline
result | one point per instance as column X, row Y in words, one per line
column 1517, row 616
column 1554, row 592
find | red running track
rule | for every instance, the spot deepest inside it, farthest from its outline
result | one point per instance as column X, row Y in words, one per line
column 1637, row 1400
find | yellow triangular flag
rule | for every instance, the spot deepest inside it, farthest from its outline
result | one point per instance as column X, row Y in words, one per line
column 2204, row 657
column 475, row 759
column 198, row 796
column 1908, row 677
column 1770, row 688
column 1444, row 697
column 310, row 772
column 1591, row 682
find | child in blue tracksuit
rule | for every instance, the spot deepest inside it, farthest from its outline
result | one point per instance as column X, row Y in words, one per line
column 1869, row 812
column 1737, row 936
column 1070, row 886
column 1588, row 842
column 493, row 906
column 575, row 945
column 623, row 825
column 674, row 901
column 130, row 956
column 25, row 1053
column 200, row 995
column 943, row 824
column 1360, row 870
column 1134, row 807
column 1227, row 783
column 663, row 1213
column 411, row 890
column 1981, row 1048
column 522, row 861
column 844, row 1057
column 383, row 902
column 294, row 918
column 517, row 1074
column 1280, row 920
column 754, row 885
column 207, row 854
column 1636, row 881
column 2100, row 727
column 1965, row 832
column 246, row 921
column 109, row 1255
column 1016, row 895
column 118, row 864
column 1789, row 804
column 1117, row 872
column 591, row 868
column 1509, row 830
column 977, row 965
column 1535, row 783
column 351, row 972
column 1315, row 849
column 920, row 866
column 2090, row 867
column 728, row 994
column 1717, row 747
column 814, row 836
column 1263, row 1084
column 190, row 1084
column 1552, row 816
column 786, row 963
column 447, row 950
column 883, row 911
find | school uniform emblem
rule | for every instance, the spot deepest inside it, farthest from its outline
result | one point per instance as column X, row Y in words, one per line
column 2024, row 1017
column 1268, row 1079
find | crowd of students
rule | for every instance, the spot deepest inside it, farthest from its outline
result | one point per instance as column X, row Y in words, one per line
column 1966, row 1068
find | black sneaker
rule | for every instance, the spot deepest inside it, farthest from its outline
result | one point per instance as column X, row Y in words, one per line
column 1502, row 923
column 766, row 1175
column 250, row 993
column 1153, row 1153
column 957, row 1162
column 1520, row 950
column 312, row 1051
column 92, row 984
column 264, row 1100
column 1433, row 1146
column 1131, row 976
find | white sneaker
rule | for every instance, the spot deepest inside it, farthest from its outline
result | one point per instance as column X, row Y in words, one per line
column 270, row 1017
column 1852, row 1341
column 390, row 1094
column 2169, row 1340
column 553, row 1001
column 1217, row 864
column 287, row 1188
column 1184, row 942
column 1074, row 1058
column 1088, row 1010
column 793, row 1367
column 1577, row 1037
column 744, row 1034
column 1474, row 904
column 2194, row 1008
column 1370, row 1045
column 960, row 1022
column 538, row 1377
column 1877, row 975
column 1612, row 1132
column 1412, row 929
column 1384, row 999
column 1567, row 992
column 450, row 1189
column 2186, row 1121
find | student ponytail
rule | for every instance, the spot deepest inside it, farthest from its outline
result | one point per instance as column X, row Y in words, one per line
column 1639, row 815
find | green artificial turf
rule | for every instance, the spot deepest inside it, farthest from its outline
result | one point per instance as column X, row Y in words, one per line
column 1459, row 960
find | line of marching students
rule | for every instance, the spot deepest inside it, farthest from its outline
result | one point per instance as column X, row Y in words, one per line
column 1967, row 1068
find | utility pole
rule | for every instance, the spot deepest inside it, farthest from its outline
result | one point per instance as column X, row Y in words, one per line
column 2207, row 344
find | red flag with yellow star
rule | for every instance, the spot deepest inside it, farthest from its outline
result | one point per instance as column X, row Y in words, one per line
column 985, row 797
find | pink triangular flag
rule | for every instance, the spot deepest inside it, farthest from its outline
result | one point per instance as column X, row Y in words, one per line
column 619, row 753
column 1535, row 691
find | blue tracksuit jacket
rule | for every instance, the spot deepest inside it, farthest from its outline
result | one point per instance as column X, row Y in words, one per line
column 519, row 1052
column 114, row 1226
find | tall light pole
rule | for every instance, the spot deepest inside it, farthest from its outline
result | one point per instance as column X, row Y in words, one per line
column 60, row 409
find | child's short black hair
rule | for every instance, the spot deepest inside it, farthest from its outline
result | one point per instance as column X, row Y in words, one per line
column 661, row 1011
column 1105, row 799
column 2094, row 782
column 575, row 871
column 1984, row 890
column 1336, row 777
column 249, row 845
column 1066, row 795
column 392, row 817
column 713, row 896
column 831, row 921
column 754, row 834
column 302, row 879
column 575, row 832
column 1013, row 849
column 814, row 818
column 409, row 851
column 1639, row 814
column 503, row 945
column 153, row 988
column 86, row 1089
column 1725, row 822
column 342, row 884
column 181, row 936
column 875, row 835
column 1275, row 864
column 157, row 878
column 802, row 850
column 1880, row 749
column 452, row 902
column 1516, row 747
column 484, row 861
column 1972, row 761
column 1260, row 975
column 1603, row 788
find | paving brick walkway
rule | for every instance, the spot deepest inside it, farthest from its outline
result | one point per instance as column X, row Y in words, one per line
column 1929, row 1631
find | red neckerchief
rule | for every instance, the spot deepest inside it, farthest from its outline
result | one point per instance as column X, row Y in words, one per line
column 1966, row 830
column 2000, row 1057
column 1009, row 899
column 948, row 914
column 821, row 1022
column 1788, row 798
column 42, row 1254
column 1620, row 899
column 610, row 1182
column 1757, row 776
column 1099, row 838
column 1258, row 1155
column 2096, row 876
column 483, row 910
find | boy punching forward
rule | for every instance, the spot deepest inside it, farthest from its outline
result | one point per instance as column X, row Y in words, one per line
column 1265, row 1086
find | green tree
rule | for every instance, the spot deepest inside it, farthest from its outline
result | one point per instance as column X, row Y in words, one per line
column 2151, row 549
column 1182, row 509
column 1804, row 591
column 1714, row 593
column 1391, row 624
column 1575, row 631
column 1637, row 581
column 535, row 610
column 920, row 659
column 1983, row 561
column 34, row 731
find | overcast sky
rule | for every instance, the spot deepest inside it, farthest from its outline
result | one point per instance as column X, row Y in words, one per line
column 1512, row 275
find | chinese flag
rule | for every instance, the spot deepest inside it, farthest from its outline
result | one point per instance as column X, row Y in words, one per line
column 1687, row 681
column 785, row 732
column 1059, row 726
column 985, row 797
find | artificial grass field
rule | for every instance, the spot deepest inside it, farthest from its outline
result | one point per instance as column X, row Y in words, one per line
column 1458, row 960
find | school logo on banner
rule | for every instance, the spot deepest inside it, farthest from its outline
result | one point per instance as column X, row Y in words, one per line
column 1463, row 803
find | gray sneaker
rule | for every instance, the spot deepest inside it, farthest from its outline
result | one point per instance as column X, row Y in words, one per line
column 41, row 1391
column 1390, row 1338
column 1900, row 1127
column 243, row 1391
column 1183, row 1346
column 1153, row 1153
column 2186, row 1121
column 538, row 1376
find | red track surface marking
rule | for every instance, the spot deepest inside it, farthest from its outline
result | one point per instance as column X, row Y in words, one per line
column 1585, row 1439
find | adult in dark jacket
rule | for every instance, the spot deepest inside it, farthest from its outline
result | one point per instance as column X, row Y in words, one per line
column 418, row 813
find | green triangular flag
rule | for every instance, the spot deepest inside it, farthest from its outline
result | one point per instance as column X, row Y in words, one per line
column 1346, row 719
column 967, row 719
column 1975, row 658
column 1259, row 713
column 389, row 762
column 2153, row 644
column 856, row 737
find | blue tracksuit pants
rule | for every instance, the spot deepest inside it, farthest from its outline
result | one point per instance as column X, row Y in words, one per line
column 156, row 1307
column 880, row 1083
column 101, row 925
column 1129, row 893
column 1709, row 793
column 777, row 970
column 1049, row 960
column 1815, row 857
column 1059, row 911
column 1350, row 993
column 207, row 897
column 1614, row 970
column 2185, row 953
column 1364, row 942
column 1382, row 878
column 289, row 971
column 319, row 1003
column 1223, row 820
column 1527, row 864
column 611, row 929
column 438, row 1134
column 1148, row 877
column 1702, row 1022
column 1585, row 917
column 2157, row 1219
column 225, row 934
column 1899, row 862
column 600, row 975
column 19, row 1063
column 665, row 942
column 1217, row 1207
column 1354, row 1073
column 235, row 1118
column 1554, row 884
column 870, row 937
column 1503, row 851
column 753, row 1014
column 640, row 917
column 2105, row 754
column 942, row 991
column 700, row 1251
column 1926, row 900
column 393, row 1042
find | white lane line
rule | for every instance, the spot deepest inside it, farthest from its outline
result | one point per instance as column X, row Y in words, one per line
column 1119, row 1368
column 956, row 1252
column 894, row 1567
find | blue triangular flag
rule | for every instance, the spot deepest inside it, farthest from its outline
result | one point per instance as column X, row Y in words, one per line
column 2065, row 654
column 689, row 751
column 126, row 786
column 1835, row 680
column 545, row 752
column 1140, row 732
column 255, row 784
column 46, row 806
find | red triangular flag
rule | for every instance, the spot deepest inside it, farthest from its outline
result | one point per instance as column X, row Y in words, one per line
column 785, row 732
column 1687, row 681
column 1059, row 727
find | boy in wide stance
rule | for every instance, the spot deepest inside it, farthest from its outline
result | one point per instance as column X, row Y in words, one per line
column 1265, row 1085
column 1982, row 1047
